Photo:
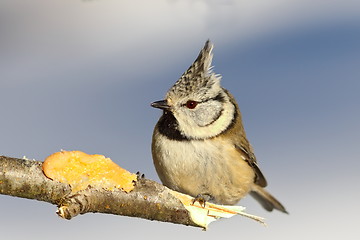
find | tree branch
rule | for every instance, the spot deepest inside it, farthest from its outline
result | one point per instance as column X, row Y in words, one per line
column 150, row 200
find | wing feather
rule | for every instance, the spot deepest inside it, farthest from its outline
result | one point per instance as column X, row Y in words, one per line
column 251, row 160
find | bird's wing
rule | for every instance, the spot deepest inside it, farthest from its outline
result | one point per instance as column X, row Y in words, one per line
column 251, row 160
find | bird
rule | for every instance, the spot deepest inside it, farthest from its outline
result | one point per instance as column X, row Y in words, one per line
column 199, row 145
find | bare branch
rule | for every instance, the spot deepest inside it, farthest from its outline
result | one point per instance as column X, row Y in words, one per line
column 150, row 200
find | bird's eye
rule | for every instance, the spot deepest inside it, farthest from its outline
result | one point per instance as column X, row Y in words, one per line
column 191, row 104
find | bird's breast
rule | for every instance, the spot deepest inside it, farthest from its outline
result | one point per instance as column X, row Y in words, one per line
column 211, row 166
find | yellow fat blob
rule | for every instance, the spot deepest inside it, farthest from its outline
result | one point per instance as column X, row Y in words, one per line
column 80, row 170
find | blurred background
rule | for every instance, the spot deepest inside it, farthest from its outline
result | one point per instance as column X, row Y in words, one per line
column 80, row 75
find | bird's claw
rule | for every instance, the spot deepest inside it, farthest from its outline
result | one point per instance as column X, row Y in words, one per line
column 202, row 199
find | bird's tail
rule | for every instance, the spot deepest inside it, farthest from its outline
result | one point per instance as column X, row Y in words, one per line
column 266, row 199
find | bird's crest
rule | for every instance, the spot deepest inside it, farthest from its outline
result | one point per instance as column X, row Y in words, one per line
column 199, row 78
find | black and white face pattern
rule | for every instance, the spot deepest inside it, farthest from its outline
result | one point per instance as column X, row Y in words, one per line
column 199, row 107
column 204, row 112
column 201, row 118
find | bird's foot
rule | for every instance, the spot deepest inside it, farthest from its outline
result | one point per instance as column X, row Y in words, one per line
column 139, row 175
column 202, row 199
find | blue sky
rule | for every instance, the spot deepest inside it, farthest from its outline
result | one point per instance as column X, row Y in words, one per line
column 80, row 75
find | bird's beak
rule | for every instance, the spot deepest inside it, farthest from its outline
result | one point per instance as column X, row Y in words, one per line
column 161, row 104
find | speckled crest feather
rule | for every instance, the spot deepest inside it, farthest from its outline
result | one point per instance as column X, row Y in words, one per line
column 199, row 78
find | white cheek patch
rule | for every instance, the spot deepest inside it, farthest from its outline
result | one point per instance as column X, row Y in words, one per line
column 206, row 113
column 192, row 126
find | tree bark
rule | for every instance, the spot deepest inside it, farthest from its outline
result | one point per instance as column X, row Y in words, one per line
column 150, row 200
